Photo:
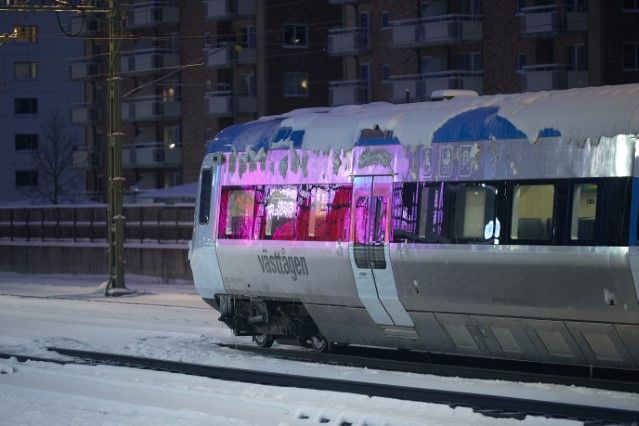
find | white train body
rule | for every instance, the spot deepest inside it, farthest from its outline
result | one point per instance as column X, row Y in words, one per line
column 502, row 226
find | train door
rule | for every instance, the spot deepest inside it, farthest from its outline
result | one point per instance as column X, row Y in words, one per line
column 369, row 250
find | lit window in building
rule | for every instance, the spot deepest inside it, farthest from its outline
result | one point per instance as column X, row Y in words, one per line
column 26, row 33
column 295, row 84
column 295, row 35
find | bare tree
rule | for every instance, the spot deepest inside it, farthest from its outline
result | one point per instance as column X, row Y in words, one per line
column 57, row 176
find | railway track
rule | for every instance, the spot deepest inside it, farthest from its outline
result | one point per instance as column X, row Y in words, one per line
column 489, row 405
column 457, row 366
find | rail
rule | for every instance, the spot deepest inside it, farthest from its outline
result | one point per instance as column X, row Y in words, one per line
column 145, row 223
column 489, row 405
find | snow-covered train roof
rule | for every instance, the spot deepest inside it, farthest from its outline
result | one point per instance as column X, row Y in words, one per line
column 587, row 114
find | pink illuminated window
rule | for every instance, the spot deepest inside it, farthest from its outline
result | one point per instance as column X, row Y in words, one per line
column 237, row 209
column 324, row 213
column 339, row 213
column 281, row 213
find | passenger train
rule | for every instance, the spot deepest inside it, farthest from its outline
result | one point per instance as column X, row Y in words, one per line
column 501, row 226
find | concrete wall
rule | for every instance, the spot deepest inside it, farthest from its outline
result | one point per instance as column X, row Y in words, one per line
column 166, row 263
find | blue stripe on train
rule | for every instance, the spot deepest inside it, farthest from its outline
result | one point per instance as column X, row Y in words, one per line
column 482, row 124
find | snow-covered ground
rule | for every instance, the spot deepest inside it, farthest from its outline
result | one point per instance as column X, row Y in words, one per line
column 171, row 322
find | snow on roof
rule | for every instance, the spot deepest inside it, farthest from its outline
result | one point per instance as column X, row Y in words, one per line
column 587, row 114
column 188, row 190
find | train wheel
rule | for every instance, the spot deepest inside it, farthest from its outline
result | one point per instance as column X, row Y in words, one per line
column 264, row 340
column 320, row 344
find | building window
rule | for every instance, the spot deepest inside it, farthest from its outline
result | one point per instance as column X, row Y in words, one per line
column 295, row 84
column 469, row 61
column 27, row 142
column 385, row 20
column 26, row 105
column 584, row 209
column 522, row 61
column 295, row 35
column 247, row 85
column 25, row 70
column 631, row 56
column 26, row 34
column 26, row 178
column 532, row 212
column 385, row 72
column 248, row 38
column 631, row 5
column 577, row 57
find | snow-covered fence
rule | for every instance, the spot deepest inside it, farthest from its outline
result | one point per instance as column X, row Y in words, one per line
column 145, row 223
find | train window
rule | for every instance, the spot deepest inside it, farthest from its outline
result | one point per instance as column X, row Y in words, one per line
column 317, row 213
column 475, row 213
column 281, row 213
column 405, row 207
column 323, row 213
column 532, row 212
column 339, row 213
column 205, row 196
column 237, row 213
column 584, row 208
column 435, row 205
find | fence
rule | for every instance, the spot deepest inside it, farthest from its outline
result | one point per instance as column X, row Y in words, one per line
column 149, row 223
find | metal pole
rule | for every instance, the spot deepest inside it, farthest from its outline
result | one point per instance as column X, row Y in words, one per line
column 116, row 181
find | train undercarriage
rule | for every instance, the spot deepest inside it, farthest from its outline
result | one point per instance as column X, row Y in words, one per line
column 268, row 321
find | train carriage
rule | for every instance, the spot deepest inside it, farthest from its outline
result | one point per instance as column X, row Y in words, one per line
column 501, row 226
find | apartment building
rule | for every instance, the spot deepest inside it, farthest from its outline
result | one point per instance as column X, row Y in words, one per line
column 34, row 83
column 401, row 51
column 192, row 68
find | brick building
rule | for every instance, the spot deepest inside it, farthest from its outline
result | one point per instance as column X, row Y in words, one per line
column 194, row 67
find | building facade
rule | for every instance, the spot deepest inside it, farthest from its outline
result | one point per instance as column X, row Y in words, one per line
column 38, row 141
column 192, row 68
column 403, row 51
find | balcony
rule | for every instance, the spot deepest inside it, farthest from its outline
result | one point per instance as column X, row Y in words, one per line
column 85, row 113
column 418, row 87
column 84, row 69
column 228, row 104
column 152, row 14
column 229, row 9
column 150, row 108
column 149, row 60
column 348, row 41
column 553, row 19
column 347, row 92
column 552, row 77
column 436, row 30
column 151, row 155
column 226, row 56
